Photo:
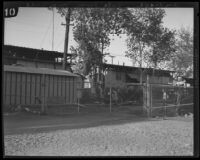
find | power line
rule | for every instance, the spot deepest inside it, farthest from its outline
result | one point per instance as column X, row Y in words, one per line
column 45, row 35
column 60, row 42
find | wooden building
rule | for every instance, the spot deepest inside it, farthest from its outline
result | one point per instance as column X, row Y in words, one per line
column 121, row 76
column 37, row 58
column 28, row 85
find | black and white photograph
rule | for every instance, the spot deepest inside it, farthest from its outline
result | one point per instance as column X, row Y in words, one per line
column 99, row 79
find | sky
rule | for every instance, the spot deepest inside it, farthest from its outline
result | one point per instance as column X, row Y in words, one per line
column 33, row 28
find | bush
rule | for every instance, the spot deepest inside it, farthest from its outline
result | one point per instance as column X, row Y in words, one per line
column 125, row 94
column 86, row 96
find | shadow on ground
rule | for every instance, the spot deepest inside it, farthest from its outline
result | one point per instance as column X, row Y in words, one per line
column 21, row 122
column 29, row 123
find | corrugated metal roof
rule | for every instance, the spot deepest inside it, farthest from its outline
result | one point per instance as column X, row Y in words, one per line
column 157, row 72
column 133, row 68
column 28, row 51
column 48, row 71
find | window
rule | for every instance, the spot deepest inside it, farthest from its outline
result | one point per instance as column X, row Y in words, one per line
column 118, row 76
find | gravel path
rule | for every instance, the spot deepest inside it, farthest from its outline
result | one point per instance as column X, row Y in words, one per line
column 160, row 137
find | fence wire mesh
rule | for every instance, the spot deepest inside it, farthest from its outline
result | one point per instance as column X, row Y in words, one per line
column 168, row 100
column 111, row 99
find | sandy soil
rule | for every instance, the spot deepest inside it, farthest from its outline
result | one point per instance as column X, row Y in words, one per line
column 172, row 137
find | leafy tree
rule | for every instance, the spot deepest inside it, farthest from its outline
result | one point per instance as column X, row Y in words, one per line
column 92, row 29
column 90, row 35
column 148, row 40
column 182, row 60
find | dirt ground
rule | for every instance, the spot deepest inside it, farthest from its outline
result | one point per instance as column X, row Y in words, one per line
column 97, row 135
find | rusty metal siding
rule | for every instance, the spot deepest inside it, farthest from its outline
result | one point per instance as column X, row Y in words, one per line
column 26, row 88
column 67, row 90
column 75, row 89
column 54, row 86
column 7, row 91
column 63, row 87
column 18, row 89
column 59, row 86
column 12, row 89
column 70, row 91
column 32, row 90
column 38, row 88
column 46, row 85
column 50, row 85
column 4, row 88
column 28, row 85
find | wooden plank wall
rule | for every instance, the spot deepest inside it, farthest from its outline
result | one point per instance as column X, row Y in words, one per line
column 26, row 89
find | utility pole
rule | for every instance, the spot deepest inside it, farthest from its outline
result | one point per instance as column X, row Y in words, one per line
column 53, row 31
column 67, row 19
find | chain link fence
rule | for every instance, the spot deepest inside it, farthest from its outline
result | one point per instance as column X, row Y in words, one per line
column 168, row 100
column 156, row 99
column 128, row 98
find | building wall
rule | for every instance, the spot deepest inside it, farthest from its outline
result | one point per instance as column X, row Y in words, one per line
column 40, row 64
column 160, row 80
column 25, row 88
column 111, row 79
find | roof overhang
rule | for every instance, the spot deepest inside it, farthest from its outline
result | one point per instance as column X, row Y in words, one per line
column 47, row 71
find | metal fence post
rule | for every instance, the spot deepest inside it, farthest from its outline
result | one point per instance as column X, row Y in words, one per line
column 78, row 95
column 110, row 100
column 148, row 97
column 144, row 97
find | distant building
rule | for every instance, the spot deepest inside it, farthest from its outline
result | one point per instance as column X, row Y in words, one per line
column 119, row 76
column 189, row 81
column 29, row 57
column 184, row 81
column 32, row 75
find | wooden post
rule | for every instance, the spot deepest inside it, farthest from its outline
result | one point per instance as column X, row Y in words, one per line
column 165, row 111
column 144, row 97
column 151, row 100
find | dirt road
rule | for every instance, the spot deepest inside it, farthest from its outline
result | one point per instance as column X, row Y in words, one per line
column 172, row 137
